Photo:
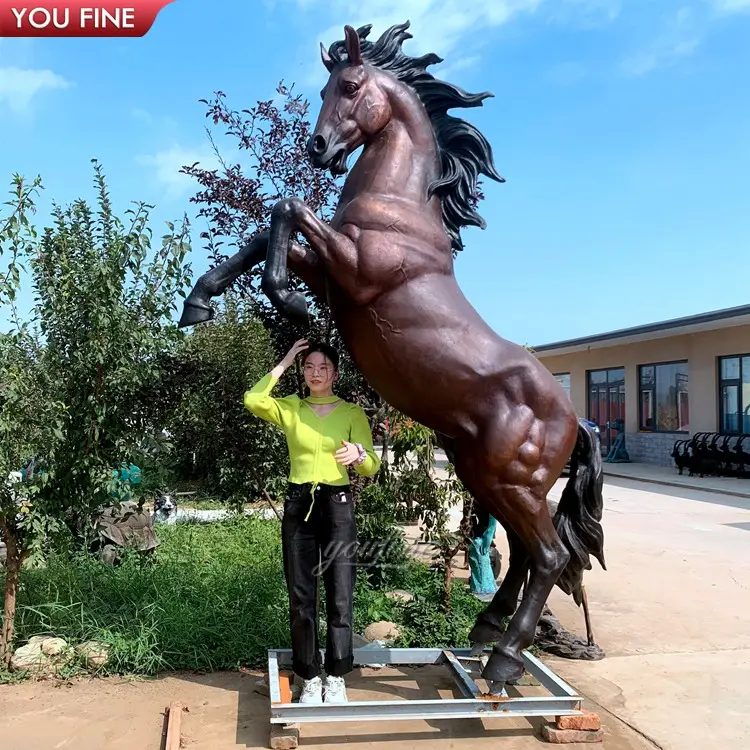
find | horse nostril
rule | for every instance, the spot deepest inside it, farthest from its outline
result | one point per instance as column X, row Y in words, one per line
column 318, row 145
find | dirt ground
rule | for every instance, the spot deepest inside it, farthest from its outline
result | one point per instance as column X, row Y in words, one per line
column 225, row 713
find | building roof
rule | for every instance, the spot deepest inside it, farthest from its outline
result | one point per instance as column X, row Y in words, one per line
column 710, row 321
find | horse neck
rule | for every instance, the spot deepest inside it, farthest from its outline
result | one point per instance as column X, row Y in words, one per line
column 402, row 160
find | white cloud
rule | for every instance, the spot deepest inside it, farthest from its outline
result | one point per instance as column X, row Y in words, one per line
column 137, row 113
column 448, row 71
column 732, row 6
column 453, row 29
column 679, row 40
column 166, row 166
column 584, row 13
column 449, row 28
column 438, row 25
column 18, row 86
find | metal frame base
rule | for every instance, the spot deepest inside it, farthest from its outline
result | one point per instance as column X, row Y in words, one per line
column 465, row 668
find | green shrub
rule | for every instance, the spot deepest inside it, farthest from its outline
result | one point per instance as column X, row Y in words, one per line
column 214, row 597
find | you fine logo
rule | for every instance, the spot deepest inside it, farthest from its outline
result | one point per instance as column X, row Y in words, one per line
column 41, row 18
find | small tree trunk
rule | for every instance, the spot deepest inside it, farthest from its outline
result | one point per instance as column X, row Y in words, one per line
column 12, row 573
column 447, row 578
column 386, row 448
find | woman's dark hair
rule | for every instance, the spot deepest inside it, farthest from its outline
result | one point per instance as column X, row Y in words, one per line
column 325, row 349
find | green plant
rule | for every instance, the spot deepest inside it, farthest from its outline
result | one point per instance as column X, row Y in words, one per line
column 424, row 495
column 212, row 597
column 78, row 373
column 215, row 441
column 382, row 548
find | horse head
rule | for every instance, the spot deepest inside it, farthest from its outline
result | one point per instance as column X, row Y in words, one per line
column 356, row 107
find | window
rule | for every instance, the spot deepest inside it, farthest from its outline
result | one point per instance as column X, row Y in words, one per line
column 734, row 394
column 663, row 397
column 563, row 378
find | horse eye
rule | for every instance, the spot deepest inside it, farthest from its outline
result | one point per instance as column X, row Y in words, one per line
column 351, row 88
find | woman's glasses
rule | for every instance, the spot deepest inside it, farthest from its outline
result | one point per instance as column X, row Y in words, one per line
column 323, row 370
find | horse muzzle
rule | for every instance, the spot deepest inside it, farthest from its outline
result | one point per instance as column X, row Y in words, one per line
column 324, row 156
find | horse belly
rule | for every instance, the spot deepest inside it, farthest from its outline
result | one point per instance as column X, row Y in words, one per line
column 427, row 352
column 421, row 351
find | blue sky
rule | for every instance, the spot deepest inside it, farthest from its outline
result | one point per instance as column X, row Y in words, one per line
column 622, row 128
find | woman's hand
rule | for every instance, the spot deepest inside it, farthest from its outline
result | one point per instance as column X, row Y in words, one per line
column 298, row 347
column 348, row 454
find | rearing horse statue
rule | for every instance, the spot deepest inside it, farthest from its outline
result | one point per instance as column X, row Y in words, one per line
column 385, row 266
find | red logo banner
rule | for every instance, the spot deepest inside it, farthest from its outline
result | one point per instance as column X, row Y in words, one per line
column 58, row 18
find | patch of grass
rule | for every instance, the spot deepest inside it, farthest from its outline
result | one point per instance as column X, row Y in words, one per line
column 213, row 597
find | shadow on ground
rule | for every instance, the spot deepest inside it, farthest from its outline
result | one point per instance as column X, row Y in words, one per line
column 389, row 683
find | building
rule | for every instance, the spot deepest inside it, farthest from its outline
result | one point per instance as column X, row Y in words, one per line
column 666, row 380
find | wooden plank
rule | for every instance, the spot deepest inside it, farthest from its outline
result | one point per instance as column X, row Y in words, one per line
column 285, row 686
column 173, row 726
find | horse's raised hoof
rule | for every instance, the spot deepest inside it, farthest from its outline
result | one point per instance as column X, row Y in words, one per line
column 194, row 313
column 295, row 309
column 502, row 669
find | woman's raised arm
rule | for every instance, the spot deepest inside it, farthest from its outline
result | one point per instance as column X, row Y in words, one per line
column 258, row 399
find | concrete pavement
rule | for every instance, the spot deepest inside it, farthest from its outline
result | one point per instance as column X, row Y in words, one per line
column 672, row 614
column 668, row 476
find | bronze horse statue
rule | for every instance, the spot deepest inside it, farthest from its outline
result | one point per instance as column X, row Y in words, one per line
column 385, row 266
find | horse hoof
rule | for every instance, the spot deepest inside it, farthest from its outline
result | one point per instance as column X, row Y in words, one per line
column 504, row 669
column 485, row 632
column 495, row 688
column 295, row 308
column 193, row 313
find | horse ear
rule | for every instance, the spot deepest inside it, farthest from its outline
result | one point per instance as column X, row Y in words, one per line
column 353, row 49
column 326, row 58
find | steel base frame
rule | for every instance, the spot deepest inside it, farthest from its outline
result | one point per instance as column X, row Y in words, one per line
column 562, row 700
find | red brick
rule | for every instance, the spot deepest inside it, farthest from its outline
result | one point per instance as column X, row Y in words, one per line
column 589, row 722
column 284, row 736
column 570, row 736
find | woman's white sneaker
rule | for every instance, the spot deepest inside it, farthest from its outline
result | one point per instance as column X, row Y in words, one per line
column 312, row 691
column 335, row 691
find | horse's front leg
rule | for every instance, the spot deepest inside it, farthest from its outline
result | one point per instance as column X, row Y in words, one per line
column 213, row 283
column 330, row 247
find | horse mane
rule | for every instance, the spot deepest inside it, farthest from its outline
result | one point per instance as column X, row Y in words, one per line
column 464, row 152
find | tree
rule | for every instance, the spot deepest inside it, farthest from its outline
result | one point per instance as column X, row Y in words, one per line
column 214, row 439
column 425, row 495
column 236, row 202
column 77, row 374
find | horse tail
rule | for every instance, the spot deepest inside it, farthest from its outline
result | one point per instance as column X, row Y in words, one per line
column 579, row 513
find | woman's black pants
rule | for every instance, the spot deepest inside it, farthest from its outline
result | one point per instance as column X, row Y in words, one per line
column 324, row 545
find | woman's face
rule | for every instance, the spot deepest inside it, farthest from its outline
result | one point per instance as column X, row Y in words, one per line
column 320, row 373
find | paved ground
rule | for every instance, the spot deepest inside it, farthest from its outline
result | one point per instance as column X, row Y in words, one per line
column 668, row 475
column 672, row 614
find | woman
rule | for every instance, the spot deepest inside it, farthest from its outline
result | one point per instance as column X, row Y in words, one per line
column 324, row 435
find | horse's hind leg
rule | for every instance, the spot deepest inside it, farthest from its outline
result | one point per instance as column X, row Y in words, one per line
column 526, row 513
column 489, row 625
